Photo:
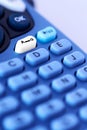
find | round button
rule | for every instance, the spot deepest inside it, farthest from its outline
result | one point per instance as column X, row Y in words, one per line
column 1, row 11
column 1, row 35
column 19, row 22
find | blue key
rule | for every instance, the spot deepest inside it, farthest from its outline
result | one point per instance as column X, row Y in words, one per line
column 66, row 122
column 47, row 34
column 83, row 113
column 82, row 73
column 64, row 83
column 8, row 104
column 2, row 89
column 18, row 121
column 76, row 97
column 50, row 70
column 35, row 95
column 74, row 59
column 11, row 67
column 60, row 47
column 49, row 109
column 37, row 57
column 26, row 79
column 38, row 128
column 19, row 21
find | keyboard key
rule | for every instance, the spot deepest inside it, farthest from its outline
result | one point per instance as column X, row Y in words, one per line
column 38, row 128
column 76, row 97
column 64, row 83
column 18, row 121
column 14, row 5
column 1, row 36
column 37, row 57
column 46, row 35
column 8, row 104
column 67, row 122
column 74, row 59
column 36, row 95
column 83, row 113
column 50, row 70
column 2, row 89
column 49, row 109
column 21, row 81
column 60, row 47
column 26, row 44
column 19, row 21
column 82, row 73
column 11, row 67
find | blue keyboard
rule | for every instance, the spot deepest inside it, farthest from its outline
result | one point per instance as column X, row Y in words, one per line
column 43, row 74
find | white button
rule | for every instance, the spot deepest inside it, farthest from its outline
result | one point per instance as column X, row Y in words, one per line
column 14, row 5
column 26, row 44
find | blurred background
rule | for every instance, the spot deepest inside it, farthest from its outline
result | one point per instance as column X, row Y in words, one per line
column 70, row 16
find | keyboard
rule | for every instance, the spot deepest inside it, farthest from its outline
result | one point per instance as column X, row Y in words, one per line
column 43, row 74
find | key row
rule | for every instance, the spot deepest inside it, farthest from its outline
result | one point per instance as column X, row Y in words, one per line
column 48, row 70
column 44, row 111
column 40, row 93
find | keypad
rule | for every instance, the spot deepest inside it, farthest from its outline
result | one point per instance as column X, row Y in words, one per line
column 43, row 75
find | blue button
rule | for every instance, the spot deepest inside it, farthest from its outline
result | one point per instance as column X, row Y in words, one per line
column 26, row 79
column 37, row 57
column 76, row 97
column 11, row 67
column 47, row 34
column 19, row 21
column 1, row 36
column 8, row 104
column 82, row 73
column 38, row 128
column 50, row 70
column 74, row 59
column 49, row 109
column 64, row 83
column 36, row 95
column 83, row 113
column 67, row 122
column 60, row 47
column 18, row 121
column 2, row 89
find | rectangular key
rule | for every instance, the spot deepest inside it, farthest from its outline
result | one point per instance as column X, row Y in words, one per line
column 36, row 95
column 18, row 121
column 74, row 59
column 11, row 67
column 21, row 81
column 50, row 70
column 76, row 97
column 37, row 57
column 8, row 104
column 49, row 109
column 67, row 122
